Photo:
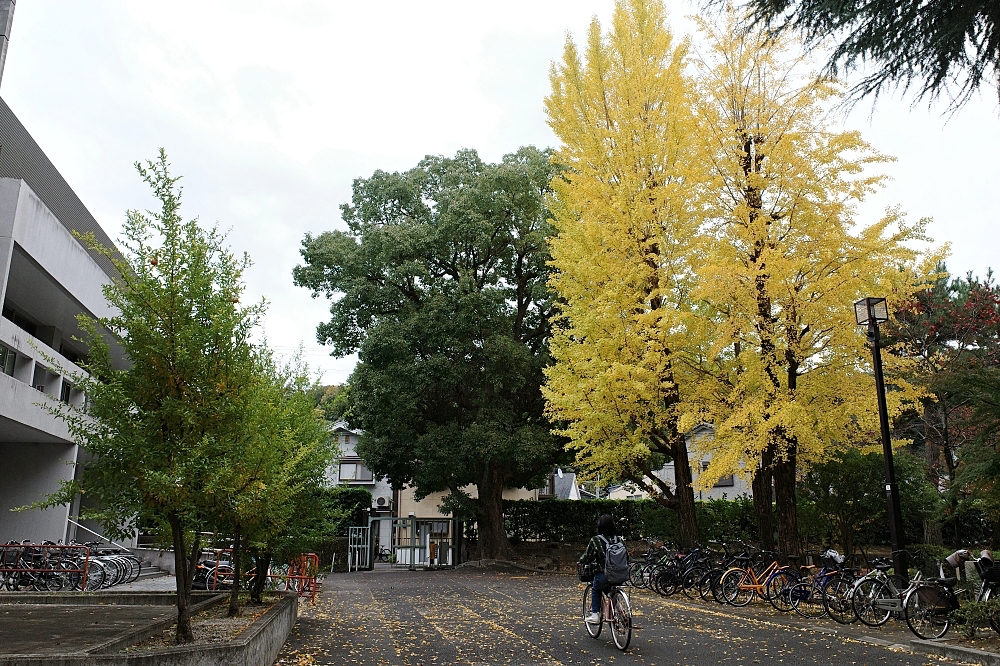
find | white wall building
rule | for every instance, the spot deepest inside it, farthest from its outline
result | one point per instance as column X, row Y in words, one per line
column 47, row 278
column 727, row 487
column 351, row 470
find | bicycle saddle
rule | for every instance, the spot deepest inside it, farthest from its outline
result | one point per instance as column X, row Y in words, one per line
column 792, row 559
column 882, row 567
column 944, row 581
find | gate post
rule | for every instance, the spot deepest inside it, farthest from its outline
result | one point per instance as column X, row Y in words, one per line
column 413, row 542
column 371, row 542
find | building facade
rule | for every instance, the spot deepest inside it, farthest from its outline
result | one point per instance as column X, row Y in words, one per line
column 47, row 278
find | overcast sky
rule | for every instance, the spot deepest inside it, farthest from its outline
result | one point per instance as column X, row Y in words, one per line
column 269, row 110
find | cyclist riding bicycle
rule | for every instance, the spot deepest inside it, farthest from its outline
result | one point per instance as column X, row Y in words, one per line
column 596, row 554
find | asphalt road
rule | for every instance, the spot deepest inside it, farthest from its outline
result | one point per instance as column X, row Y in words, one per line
column 474, row 616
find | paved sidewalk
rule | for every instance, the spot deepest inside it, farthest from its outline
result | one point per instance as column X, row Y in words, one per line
column 474, row 617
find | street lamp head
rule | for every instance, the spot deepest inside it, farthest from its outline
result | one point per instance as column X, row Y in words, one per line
column 871, row 310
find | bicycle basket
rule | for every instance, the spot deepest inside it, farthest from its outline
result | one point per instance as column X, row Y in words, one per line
column 586, row 572
column 937, row 597
column 989, row 573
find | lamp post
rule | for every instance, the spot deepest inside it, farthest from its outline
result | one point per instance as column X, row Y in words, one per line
column 870, row 312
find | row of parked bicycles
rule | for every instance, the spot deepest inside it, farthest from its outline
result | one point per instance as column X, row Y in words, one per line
column 737, row 574
column 52, row 567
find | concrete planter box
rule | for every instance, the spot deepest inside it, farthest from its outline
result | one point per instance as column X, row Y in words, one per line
column 257, row 645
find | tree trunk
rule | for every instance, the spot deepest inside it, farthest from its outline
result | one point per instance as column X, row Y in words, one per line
column 784, row 497
column 493, row 543
column 847, row 538
column 683, row 493
column 184, row 566
column 932, row 459
column 234, row 593
column 933, row 534
column 763, row 511
column 262, row 561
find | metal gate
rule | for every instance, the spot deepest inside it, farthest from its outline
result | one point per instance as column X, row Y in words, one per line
column 359, row 548
column 413, row 542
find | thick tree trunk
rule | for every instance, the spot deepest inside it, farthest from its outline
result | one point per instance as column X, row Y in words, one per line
column 234, row 593
column 683, row 493
column 262, row 561
column 493, row 543
column 785, row 504
column 184, row 566
column 762, row 502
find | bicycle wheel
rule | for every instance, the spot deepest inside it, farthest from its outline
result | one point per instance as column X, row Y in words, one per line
column 689, row 582
column 926, row 610
column 95, row 575
column 736, row 589
column 865, row 602
column 837, row 600
column 666, row 582
column 53, row 581
column 776, row 589
column 593, row 629
column 705, row 584
column 621, row 620
column 635, row 574
column 717, row 588
column 807, row 599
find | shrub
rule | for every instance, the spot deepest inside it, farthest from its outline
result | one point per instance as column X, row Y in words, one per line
column 574, row 520
column 975, row 615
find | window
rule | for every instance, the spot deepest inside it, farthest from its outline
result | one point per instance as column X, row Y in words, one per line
column 20, row 321
column 64, row 392
column 354, row 472
column 7, row 359
column 727, row 481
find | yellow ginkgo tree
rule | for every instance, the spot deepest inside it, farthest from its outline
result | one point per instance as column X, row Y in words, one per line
column 785, row 372
column 624, row 251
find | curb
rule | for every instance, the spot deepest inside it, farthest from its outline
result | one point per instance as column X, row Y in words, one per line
column 508, row 563
column 943, row 649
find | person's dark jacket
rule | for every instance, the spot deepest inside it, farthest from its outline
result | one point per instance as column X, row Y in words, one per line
column 597, row 552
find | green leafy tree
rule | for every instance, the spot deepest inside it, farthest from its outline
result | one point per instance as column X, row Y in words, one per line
column 935, row 47
column 951, row 330
column 157, row 431
column 440, row 286
column 978, row 476
column 331, row 400
column 846, row 490
column 280, row 454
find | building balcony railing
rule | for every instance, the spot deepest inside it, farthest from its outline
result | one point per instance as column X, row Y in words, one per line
column 30, row 361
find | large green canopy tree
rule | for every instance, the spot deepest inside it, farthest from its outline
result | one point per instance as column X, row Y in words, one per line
column 440, row 286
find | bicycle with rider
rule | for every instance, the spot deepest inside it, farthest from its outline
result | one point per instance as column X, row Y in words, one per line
column 595, row 554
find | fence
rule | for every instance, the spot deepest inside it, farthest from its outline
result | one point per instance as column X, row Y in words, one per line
column 43, row 566
column 301, row 575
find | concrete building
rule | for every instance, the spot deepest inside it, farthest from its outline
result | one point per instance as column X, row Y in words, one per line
column 47, row 278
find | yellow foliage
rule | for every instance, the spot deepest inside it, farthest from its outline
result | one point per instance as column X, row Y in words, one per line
column 627, row 237
column 783, row 362
column 707, row 254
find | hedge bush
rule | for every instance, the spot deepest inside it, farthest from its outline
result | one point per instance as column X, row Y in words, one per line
column 575, row 520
